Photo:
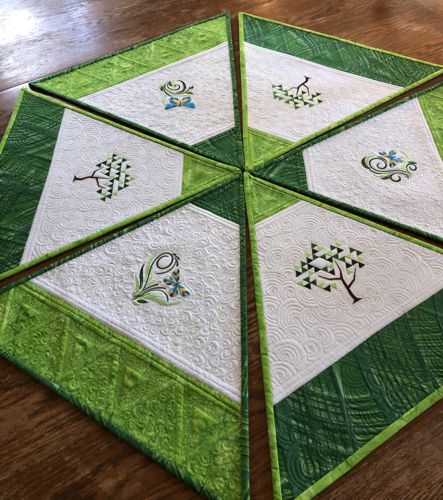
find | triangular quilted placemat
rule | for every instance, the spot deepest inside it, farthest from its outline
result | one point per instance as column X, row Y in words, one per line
column 180, row 86
column 297, row 83
column 66, row 177
column 146, row 332
column 350, row 319
column 388, row 164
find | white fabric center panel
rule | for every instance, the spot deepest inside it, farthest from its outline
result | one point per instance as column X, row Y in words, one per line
column 201, row 334
column 141, row 100
column 70, row 210
column 307, row 330
column 342, row 93
column 334, row 168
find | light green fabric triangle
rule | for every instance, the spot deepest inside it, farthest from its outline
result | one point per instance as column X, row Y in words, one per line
column 269, row 200
column 137, row 60
column 261, row 145
column 432, row 106
column 197, row 173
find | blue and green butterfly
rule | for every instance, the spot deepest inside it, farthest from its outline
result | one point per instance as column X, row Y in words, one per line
column 176, row 287
column 180, row 102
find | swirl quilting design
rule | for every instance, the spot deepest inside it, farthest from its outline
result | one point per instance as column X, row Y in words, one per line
column 309, row 329
column 342, row 93
column 334, row 168
column 69, row 210
column 141, row 99
column 200, row 335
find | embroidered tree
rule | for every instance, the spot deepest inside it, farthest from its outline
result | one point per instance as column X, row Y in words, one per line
column 111, row 176
column 325, row 266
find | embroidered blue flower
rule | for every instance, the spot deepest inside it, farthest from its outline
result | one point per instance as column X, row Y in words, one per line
column 176, row 287
column 392, row 157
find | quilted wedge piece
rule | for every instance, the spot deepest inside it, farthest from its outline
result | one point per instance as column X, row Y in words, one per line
column 297, row 83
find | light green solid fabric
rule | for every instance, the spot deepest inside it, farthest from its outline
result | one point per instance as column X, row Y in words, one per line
column 115, row 68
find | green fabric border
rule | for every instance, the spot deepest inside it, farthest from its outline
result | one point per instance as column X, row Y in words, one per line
column 415, row 68
column 108, row 425
column 272, row 435
column 263, row 170
column 24, row 163
column 431, row 103
column 238, row 161
column 244, row 421
column 384, row 435
column 228, row 171
column 131, row 348
column 145, row 64
column 365, row 450
column 250, row 164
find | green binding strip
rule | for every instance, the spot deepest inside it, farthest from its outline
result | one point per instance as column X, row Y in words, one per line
column 188, row 427
column 93, row 241
column 26, row 154
column 369, row 447
column 348, row 405
column 251, row 211
column 250, row 160
column 32, row 191
column 335, row 52
column 301, row 197
column 271, row 411
column 288, row 170
column 111, row 69
column 229, row 476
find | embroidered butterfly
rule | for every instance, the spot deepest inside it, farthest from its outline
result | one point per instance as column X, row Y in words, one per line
column 180, row 102
column 176, row 287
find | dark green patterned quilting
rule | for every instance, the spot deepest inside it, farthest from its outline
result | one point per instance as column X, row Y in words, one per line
column 224, row 201
column 335, row 53
column 225, row 147
column 288, row 169
column 329, row 418
column 24, row 165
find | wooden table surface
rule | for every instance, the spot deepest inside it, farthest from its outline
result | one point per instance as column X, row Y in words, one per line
column 48, row 448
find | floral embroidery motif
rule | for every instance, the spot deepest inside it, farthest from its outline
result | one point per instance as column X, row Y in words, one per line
column 177, row 95
column 111, row 176
column 151, row 284
column 331, row 263
column 298, row 96
column 391, row 165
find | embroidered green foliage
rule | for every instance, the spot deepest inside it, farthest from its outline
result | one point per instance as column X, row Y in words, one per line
column 393, row 165
column 188, row 427
column 325, row 265
column 151, row 284
column 320, row 425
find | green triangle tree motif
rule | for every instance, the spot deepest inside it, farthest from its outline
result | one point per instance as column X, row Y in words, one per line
column 323, row 270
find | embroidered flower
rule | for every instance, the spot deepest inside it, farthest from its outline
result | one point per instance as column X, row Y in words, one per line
column 392, row 157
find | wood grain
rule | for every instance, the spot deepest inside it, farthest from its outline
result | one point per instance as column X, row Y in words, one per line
column 49, row 449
